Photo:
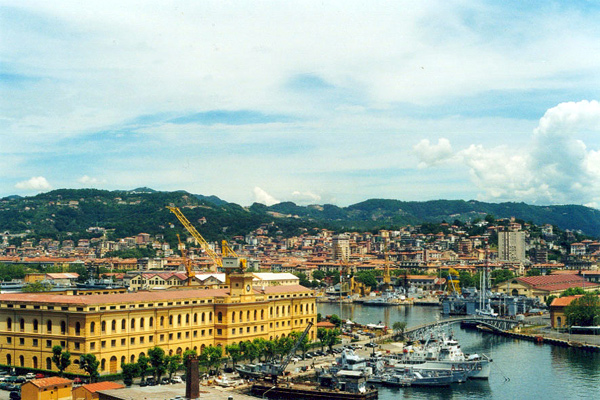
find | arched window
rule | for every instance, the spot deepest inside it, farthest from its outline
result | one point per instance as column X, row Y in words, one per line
column 187, row 319
column 77, row 328
column 123, row 325
column 103, row 326
column 63, row 327
column 151, row 322
column 296, row 309
column 132, row 324
column 179, row 320
column 9, row 324
column 195, row 318
column 220, row 317
column 48, row 363
column 123, row 360
column 301, row 308
column 49, row 326
column 241, row 316
column 35, row 325
column 288, row 310
column 277, row 311
column 141, row 323
column 262, row 314
column 255, row 314
column 170, row 320
column 92, row 327
column 9, row 360
column 202, row 318
column 22, row 324
column 162, row 321
column 271, row 311
column 132, row 359
column 312, row 308
column 210, row 316
column 34, row 362
column 113, row 325
column 232, row 317
column 103, row 364
column 21, row 361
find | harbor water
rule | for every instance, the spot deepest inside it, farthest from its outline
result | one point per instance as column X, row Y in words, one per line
column 521, row 369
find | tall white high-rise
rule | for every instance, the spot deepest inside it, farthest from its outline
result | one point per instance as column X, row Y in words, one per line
column 511, row 246
column 341, row 247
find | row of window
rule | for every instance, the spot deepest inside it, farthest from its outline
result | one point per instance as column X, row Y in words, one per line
column 36, row 326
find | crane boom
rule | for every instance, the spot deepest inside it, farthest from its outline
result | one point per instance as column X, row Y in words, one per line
column 186, row 262
column 190, row 228
column 277, row 369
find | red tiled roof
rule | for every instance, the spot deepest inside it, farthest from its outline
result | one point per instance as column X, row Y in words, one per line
column 47, row 382
column 563, row 301
column 551, row 279
column 94, row 387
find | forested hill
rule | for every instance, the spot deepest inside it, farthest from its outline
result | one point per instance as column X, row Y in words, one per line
column 60, row 212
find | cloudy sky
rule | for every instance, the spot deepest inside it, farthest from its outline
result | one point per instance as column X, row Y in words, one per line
column 308, row 101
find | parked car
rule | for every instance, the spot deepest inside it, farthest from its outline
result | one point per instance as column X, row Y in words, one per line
column 165, row 380
column 15, row 395
column 39, row 376
column 77, row 381
column 11, row 379
column 29, row 375
column 176, row 379
column 4, row 385
column 12, row 387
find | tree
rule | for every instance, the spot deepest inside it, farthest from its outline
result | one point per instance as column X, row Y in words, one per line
column 211, row 358
column 319, row 275
column 334, row 319
column 62, row 359
column 368, row 278
column 550, row 299
column 130, row 371
column 143, row 363
column 333, row 338
column 322, row 336
column 399, row 328
column 584, row 311
column 534, row 272
column 173, row 363
column 37, row 287
column 89, row 364
column 235, row 353
column 157, row 361
column 572, row 291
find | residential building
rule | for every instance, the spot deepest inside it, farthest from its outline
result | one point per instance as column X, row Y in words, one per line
column 511, row 246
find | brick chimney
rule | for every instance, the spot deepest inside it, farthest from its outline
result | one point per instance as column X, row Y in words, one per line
column 192, row 379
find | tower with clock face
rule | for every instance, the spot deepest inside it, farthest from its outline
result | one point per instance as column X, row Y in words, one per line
column 241, row 284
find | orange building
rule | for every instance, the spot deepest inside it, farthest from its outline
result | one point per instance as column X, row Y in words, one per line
column 53, row 388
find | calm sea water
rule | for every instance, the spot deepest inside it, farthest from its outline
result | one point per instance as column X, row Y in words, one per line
column 521, row 369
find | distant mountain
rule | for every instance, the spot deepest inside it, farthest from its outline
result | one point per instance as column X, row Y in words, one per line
column 381, row 212
column 70, row 212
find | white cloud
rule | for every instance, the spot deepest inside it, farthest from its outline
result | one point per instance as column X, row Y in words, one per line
column 306, row 197
column 35, row 183
column 432, row 154
column 260, row 196
column 86, row 180
column 556, row 167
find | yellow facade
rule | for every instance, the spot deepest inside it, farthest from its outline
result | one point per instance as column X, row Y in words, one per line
column 47, row 389
column 118, row 328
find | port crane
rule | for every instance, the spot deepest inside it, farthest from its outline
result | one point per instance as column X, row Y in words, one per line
column 186, row 262
column 196, row 235
column 229, row 261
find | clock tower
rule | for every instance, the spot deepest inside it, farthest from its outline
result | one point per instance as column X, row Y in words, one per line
column 240, row 284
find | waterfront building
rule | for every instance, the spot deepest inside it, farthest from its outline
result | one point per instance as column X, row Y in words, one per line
column 120, row 327
column 543, row 286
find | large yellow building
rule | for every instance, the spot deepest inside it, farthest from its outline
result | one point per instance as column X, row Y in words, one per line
column 120, row 327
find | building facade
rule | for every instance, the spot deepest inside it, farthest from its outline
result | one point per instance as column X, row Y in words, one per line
column 118, row 328
column 511, row 246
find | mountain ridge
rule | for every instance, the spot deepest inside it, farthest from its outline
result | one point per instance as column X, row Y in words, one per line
column 143, row 210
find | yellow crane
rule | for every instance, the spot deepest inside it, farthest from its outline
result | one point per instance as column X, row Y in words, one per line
column 203, row 243
column 230, row 261
column 186, row 262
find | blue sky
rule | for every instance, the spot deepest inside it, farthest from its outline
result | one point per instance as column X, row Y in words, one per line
column 311, row 102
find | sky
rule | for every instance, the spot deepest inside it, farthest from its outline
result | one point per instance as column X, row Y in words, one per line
column 306, row 101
